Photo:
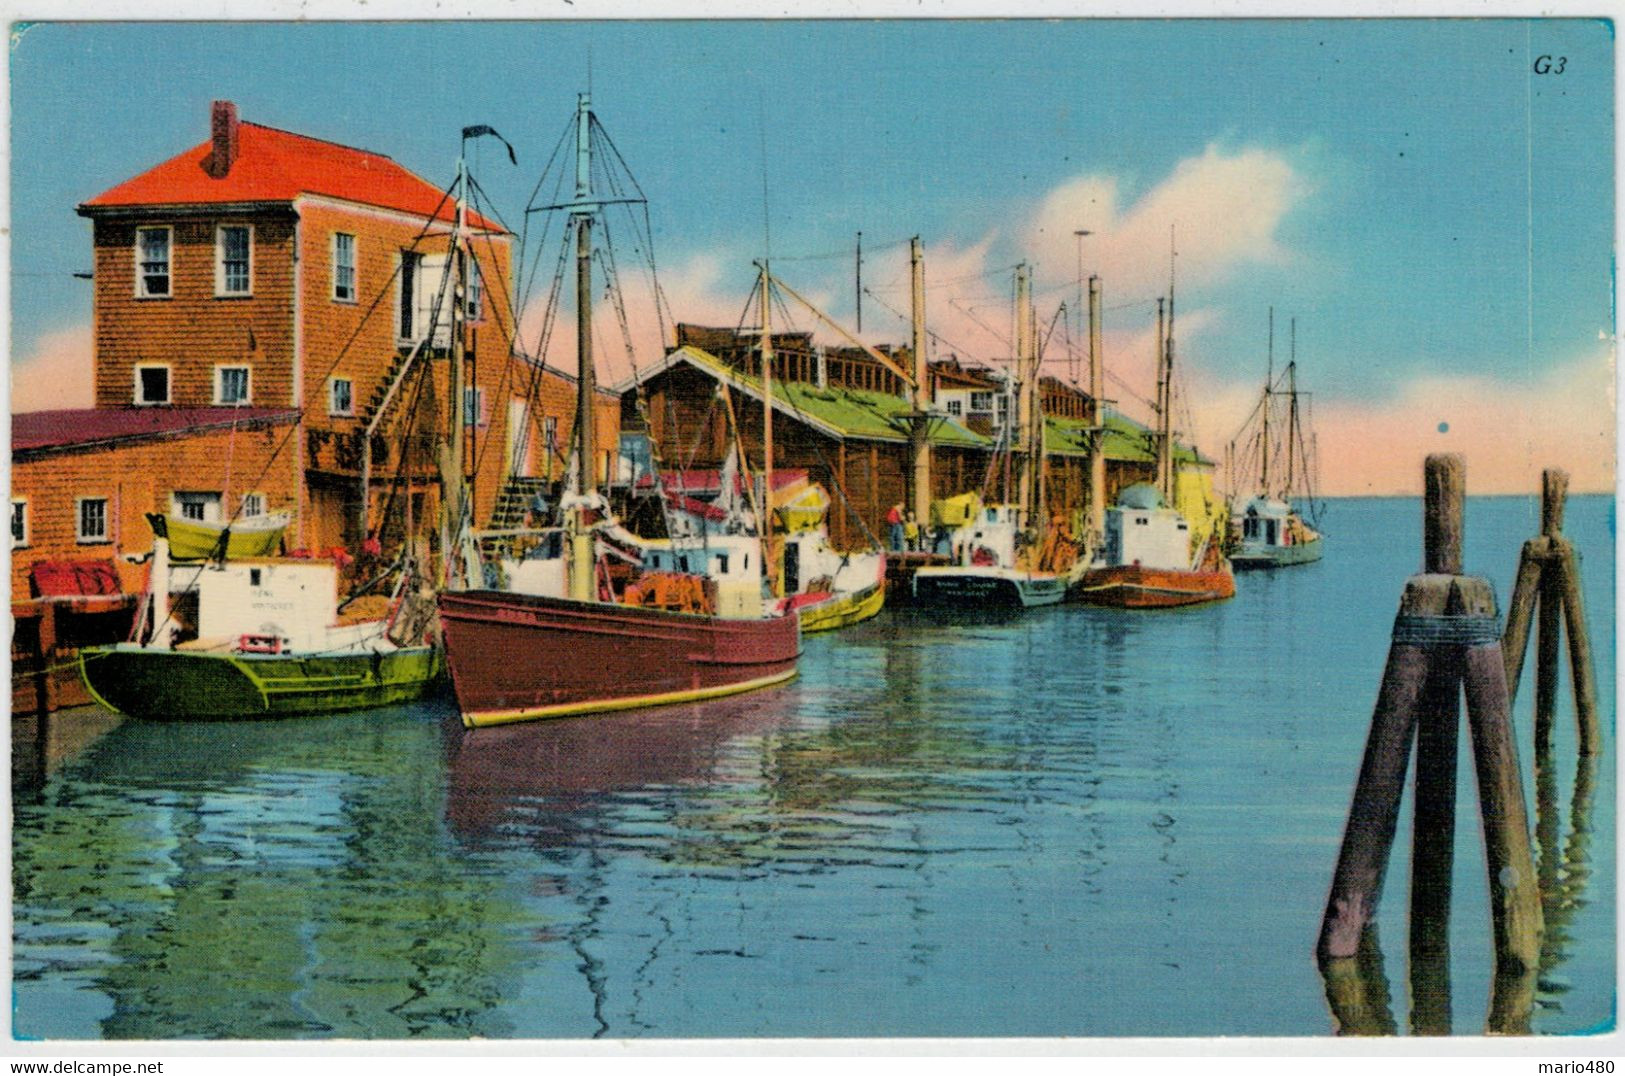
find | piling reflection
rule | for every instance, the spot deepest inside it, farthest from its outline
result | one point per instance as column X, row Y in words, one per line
column 1356, row 988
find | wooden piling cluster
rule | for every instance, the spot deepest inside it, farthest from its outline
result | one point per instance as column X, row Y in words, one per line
column 1548, row 595
column 1446, row 638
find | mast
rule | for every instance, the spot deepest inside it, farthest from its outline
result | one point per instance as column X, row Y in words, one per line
column 1023, row 408
column 1035, row 440
column 765, row 524
column 1269, row 377
column 454, row 479
column 1097, row 448
column 920, row 395
column 1163, row 422
column 1165, row 459
column 581, row 540
column 1292, row 412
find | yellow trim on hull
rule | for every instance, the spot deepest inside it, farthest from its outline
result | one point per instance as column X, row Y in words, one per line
column 487, row 718
column 842, row 612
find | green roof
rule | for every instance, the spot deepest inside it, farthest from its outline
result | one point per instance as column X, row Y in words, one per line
column 1126, row 440
column 876, row 416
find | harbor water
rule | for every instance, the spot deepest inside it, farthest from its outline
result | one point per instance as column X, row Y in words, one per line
column 1080, row 822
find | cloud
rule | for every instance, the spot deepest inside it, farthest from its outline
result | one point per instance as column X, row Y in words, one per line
column 1224, row 206
column 58, row 374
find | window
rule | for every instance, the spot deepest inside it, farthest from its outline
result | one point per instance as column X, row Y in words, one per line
column 344, row 268
column 253, row 505
column 203, row 507
column 151, row 383
column 19, row 522
column 474, row 303
column 339, row 400
column 232, row 246
column 231, row 384
column 152, row 263
column 92, row 519
column 422, row 304
column 474, row 412
column 980, row 401
column 954, row 407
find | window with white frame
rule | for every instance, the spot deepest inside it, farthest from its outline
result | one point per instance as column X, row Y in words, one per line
column 90, row 524
column 474, row 301
column 474, row 413
column 253, row 505
column 152, row 263
column 981, row 401
column 343, row 268
column 19, row 522
column 233, row 259
column 201, row 506
column 151, row 383
column 339, row 398
column 955, row 407
column 232, row 384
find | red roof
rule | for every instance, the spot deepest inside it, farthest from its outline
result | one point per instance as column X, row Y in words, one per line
column 35, row 430
column 278, row 166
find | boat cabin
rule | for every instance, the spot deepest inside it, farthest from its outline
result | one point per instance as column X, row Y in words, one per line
column 1266, row 522
column 1142, row 530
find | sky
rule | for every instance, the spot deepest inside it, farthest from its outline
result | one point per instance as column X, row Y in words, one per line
column 1436, row 217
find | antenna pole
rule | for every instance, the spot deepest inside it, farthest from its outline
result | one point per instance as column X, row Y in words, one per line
column 858, row 287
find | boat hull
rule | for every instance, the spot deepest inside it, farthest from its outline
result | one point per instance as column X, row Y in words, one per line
column 988, row 586
column 184, row 685
column 1136, row 587
column 842, row 610
column 521, row 657
column 1249, row 556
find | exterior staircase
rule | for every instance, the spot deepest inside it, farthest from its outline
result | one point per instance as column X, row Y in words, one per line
column 514, row 500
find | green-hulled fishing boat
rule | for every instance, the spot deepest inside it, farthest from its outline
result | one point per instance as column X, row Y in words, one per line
column 267, row 641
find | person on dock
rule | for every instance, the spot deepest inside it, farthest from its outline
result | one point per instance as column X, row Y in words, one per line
column 911, row 533
column 894, row 520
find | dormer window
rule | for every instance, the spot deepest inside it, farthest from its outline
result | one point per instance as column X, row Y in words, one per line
column 233, row 249
column 152, row 263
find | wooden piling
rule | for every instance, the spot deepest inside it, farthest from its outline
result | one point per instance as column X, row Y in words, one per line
column 1443, row 518
column 1433, row 847
column 1554, row 491
column 1521, row 612
column 1514, row 895
column 1357, row 989
column 1548, row 645
column 1584, row 676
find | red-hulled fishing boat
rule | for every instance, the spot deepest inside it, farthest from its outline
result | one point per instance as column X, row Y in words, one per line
column 522, row 657
column 570, row 636
column 1146, row 560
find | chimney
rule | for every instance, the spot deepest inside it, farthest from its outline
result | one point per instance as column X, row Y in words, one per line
column 223, row 133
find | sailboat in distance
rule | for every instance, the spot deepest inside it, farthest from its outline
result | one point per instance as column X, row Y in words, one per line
column 1271, row 528
column 591, row 640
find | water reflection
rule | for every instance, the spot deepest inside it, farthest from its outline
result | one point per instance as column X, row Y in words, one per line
column 257, row 880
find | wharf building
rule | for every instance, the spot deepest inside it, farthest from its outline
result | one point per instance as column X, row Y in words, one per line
column 843, row 417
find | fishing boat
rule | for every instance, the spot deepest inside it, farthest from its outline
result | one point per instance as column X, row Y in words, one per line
column 1147, row 560
column 600, row 626
column 1270, row 532
column 1007, row 554
column 829, row 588
column 261, row 637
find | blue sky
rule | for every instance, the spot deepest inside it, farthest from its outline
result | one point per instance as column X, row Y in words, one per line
column 1384, row 181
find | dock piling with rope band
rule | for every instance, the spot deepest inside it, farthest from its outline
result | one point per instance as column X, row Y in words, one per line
column 1548, row 595
column 1446, row 637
